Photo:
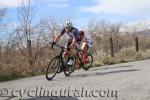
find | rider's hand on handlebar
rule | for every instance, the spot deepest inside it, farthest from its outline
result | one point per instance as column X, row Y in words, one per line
column 52, row 43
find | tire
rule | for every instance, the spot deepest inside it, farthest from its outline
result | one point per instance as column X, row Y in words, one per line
column 53, row 68
column 89, row 64
column 68, row 69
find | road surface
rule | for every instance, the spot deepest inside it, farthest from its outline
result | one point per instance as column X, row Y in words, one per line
column 126, row 81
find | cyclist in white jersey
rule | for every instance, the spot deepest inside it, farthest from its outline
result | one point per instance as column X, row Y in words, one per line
column 86, row 43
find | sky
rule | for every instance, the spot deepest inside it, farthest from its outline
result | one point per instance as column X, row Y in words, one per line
column 80, row 11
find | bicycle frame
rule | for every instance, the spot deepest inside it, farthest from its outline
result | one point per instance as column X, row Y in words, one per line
column 60, row 54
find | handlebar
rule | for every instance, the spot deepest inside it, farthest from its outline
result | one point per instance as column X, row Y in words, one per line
column 63, row 47
column 52, row 43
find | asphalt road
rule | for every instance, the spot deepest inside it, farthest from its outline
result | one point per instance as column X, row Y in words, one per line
column 127, row 81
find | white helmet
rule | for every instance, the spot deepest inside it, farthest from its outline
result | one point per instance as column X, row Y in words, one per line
column 68, row 24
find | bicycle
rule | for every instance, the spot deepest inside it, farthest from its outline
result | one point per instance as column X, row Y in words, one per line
column 59, row 63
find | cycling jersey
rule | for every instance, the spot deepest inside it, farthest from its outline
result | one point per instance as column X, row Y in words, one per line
column 74, row 33
column 87, row 38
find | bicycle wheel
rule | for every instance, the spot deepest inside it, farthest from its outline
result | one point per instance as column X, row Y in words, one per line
column 87, row 65
column 68, row 69
column 53, row 68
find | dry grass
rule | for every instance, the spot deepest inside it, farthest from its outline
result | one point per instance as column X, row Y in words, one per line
column 125, row 55
column 14, row 65
column 18, row 67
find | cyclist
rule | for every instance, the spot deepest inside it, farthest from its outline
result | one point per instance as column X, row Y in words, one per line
column 74, row 38
column 86, row 43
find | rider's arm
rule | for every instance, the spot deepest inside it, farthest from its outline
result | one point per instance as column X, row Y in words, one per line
column 59, row 36
column 73, row 42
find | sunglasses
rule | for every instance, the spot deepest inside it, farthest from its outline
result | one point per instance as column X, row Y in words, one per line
column 68, row 27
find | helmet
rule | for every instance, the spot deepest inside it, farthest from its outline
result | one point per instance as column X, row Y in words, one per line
column 81, row 32
column 68, row 24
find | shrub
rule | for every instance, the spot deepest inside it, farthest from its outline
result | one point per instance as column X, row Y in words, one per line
column 127, row 53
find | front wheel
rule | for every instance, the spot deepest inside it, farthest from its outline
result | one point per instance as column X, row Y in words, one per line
column 53, row 68
column 88, row 64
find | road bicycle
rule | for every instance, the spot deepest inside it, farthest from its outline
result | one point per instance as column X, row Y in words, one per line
column 60, row 64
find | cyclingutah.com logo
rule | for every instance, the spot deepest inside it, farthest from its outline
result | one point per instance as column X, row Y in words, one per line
column 66, row 92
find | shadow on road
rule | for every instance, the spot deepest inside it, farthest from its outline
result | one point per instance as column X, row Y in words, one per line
column 52, row 98
column 105, row 73
column 125, row 66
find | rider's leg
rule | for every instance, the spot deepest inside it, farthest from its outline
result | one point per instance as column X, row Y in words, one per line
column 67, row 52
column 71, row 53
column 77, row 63
column 73, row 50
column 84, row 48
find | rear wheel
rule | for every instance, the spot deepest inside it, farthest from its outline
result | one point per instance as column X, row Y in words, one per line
column 53, row 68
column 88, row 64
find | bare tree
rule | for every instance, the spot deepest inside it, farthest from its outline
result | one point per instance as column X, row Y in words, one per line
column 24, row 29
column 99, row 31
column 46, row 30
column 115, row 32
column 0, row 49
column 2, row 15
column 51, row 26
column 2, row 24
